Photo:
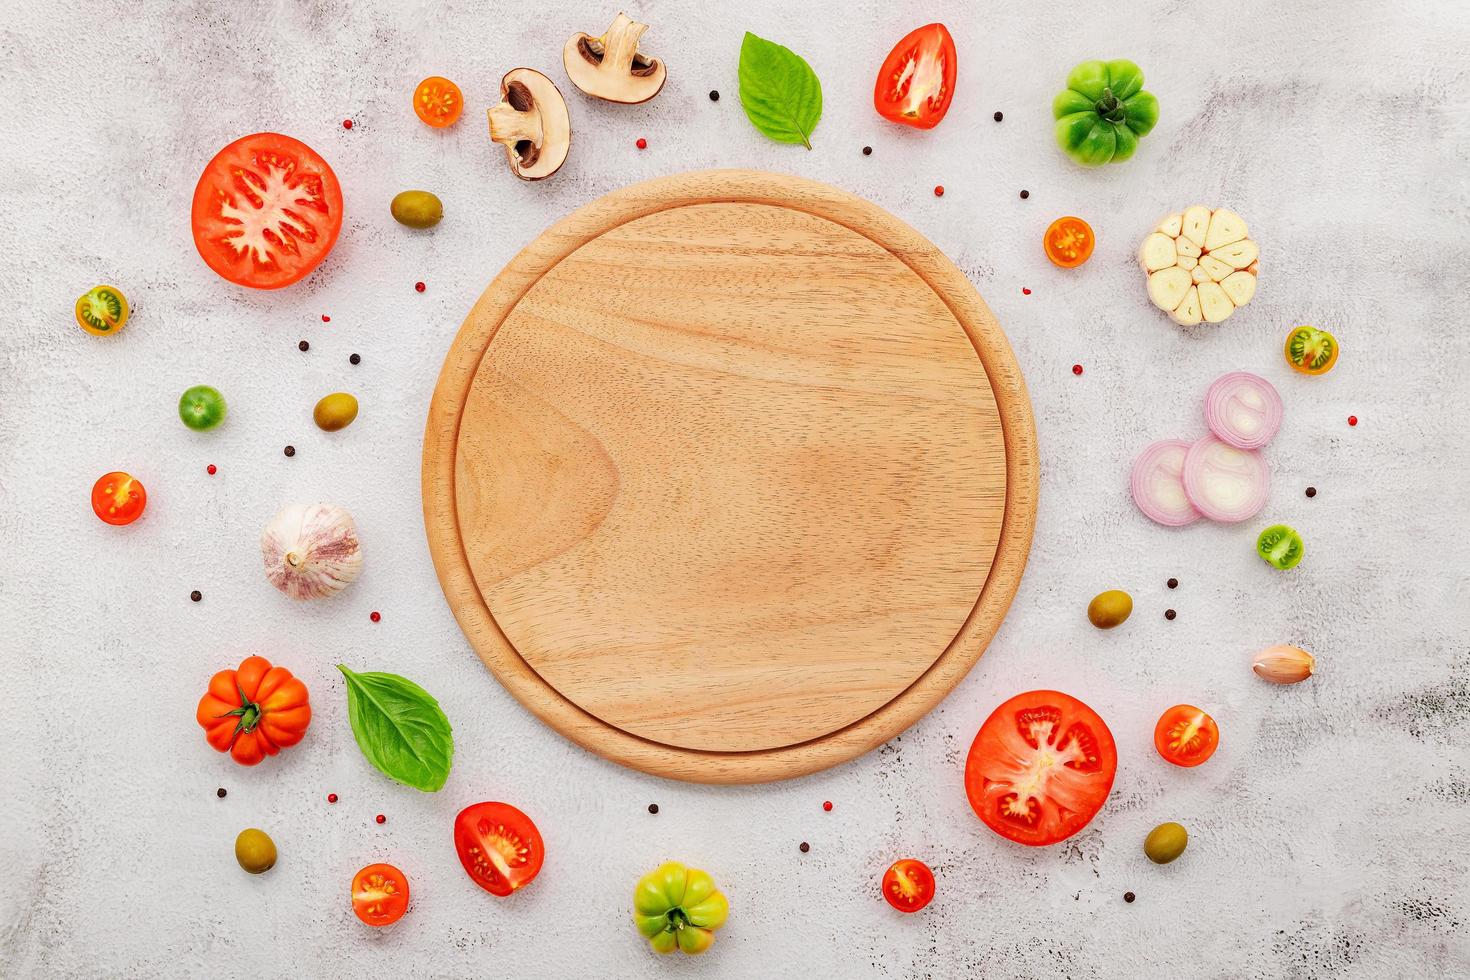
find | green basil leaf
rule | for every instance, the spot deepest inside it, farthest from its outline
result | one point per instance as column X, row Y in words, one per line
column 400, row 729
column 780, row 93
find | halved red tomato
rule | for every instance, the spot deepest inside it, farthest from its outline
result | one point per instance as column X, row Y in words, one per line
column 267, row 210
column 908, row 885
column 380, row 894
column 1186, row 736
column 499, row 846
column 916, row 83
column 1040, row 768
column 118, row 498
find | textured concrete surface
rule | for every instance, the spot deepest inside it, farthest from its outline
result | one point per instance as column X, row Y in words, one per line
column 1330, row 831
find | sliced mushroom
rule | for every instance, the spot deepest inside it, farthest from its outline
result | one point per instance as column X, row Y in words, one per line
column 532, row 122
column 610, row 67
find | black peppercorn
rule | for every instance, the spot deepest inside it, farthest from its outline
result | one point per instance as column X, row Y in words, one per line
column 1311, row 491
column 714, row 96
column 290, row 450
column 1128, row 897
column 220, row 792
column 355, row 359
column 303, row 346
column 1025, row 194
column 1169, row 614
column 999, row 115
column 653, row 808
column 867, row 151
column 1173, row 583
column 196, row 595
column 805, row 847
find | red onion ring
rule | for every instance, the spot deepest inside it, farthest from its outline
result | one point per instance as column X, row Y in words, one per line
column 1243, row 409
column 1157, row 485
column 1225, row 483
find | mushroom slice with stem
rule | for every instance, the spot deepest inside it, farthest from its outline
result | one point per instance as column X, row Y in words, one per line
column 531, row 121
column 611, row 67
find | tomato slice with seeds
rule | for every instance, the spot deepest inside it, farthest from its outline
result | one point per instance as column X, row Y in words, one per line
column 380, row 894
column 267, row 210
column 499, row 846
column 438, row 101
column 118, row 498
column 1186, row 736
column 102, row 310
column 1311, row 351
column 908, row 885
column 1069, row 241
column 1040, row 768
column 916, row 83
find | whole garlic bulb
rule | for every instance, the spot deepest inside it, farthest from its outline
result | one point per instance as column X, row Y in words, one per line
column 311, row 551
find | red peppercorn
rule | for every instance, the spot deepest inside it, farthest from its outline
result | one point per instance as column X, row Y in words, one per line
column 419, row 286
column 1025, row 291
column 642, row 143
column 326, row 319
column 939, row 191
column 1076, row 368
column 331, row 797
column 375, row 615
column 827, row 806
column 347, row 124
column 1352, row 420
column 381, row 819
column 210, row 469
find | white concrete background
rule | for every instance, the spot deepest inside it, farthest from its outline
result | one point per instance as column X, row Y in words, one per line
column 1329, row 834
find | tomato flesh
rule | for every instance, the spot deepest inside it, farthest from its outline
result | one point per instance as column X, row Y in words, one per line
column 438, row 101
column 118, row 498
column 1186, row 736
column 1040, row 768
column 916, row 83
column 1311, row 351
column 499, row 847
column 380, row 894
column 102, row 310
column 267, row 210
column 1069, row 242
column 908, row 885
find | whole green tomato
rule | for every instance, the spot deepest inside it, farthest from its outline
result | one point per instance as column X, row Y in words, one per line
column 676, row 906
column 202, row 407
column 1103, row 112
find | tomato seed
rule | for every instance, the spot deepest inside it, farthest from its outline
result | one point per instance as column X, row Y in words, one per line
column 419, row 286
column 1311, row 491
column 1173, row 583
column 331, row 797
column 375, row 615
column 220, row 793
column 827, row 806
column 289, row 450
column 1128, row 897
column 347, row 124
column 714, row 96
column 999, row 115
column 303, row 346
column 642, row 143
column 1076, row 368
column 196, row 595
column 1352, row 420
column 653, row 808
column 210, row 469
column 1169, row 614
column 804, row 847
column 939, row 191
column 355, row 359
column 380, row 818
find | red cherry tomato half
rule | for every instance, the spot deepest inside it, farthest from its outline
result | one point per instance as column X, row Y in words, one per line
column 380, row 894
column 267, row 210
column 1040, row 768
column 916, row 83
column 118, row 498
column 1186, row 736
column 908, row 885
column 499, row 846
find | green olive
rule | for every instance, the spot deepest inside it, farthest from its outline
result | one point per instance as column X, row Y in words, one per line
column 417, row 209
column 1165, row 843
column 335, row 411
column 255, row 851
column 1110, row 608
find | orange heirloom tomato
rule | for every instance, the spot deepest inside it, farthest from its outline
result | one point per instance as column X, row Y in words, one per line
column 438, row 101
column 254, row 711
column 1186, row 736
column 1069, row 242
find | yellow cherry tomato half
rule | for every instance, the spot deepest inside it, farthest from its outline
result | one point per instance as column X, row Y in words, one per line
column 1069, row 242
column 118, row 498
column 438, row 101
column 102, row 310
column 1311, row 351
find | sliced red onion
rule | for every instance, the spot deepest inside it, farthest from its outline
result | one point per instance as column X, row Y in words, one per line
column 1158, row 488
column 1243, row 409
column 1225, row 483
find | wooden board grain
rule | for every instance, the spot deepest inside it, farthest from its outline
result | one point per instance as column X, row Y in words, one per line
column 729, row 476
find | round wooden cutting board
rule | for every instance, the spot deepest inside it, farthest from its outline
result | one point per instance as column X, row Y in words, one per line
column 730, row 476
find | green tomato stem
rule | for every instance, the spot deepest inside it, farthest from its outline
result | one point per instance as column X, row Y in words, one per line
column 1110, row 107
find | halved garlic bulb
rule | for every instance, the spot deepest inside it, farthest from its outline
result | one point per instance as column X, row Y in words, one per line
column 311, row 551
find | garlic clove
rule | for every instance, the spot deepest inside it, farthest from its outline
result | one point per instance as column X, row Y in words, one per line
column 311, row 551
column 1284, row 665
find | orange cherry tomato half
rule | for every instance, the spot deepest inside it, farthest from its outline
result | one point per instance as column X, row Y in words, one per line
column 1040, row 768
column 499, row 847
column 1311, row 351
column 908, row 885
column 380, row 894
column 118, row 498
column 916, row 83
column 1186, row 736
column 438, row 101
column 1069, row 242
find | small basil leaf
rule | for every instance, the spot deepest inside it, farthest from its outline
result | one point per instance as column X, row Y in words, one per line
column 400, row 729
column 780, row 93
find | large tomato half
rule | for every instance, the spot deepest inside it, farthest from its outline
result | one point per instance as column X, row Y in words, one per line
column 1040, row 768
column 916, row 83
column 267, row 210
column 499, row 846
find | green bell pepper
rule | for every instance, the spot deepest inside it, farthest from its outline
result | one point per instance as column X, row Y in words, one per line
column 1103, row 112
column 675, row 906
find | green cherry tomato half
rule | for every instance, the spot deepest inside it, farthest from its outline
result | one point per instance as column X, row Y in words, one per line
column 677, row 907
column 1311, row 351
column 1280, row 546
column 102, row 310
column 202, row 408
column 1103, row 112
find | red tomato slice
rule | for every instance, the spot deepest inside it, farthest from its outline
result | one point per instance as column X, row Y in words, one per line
column 118, row 498
column 1040, row 768
column 916, row 83
column 499, row 846
column 1186, row 736
column 908, row 885
column 267, row 210
column 380, row 894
